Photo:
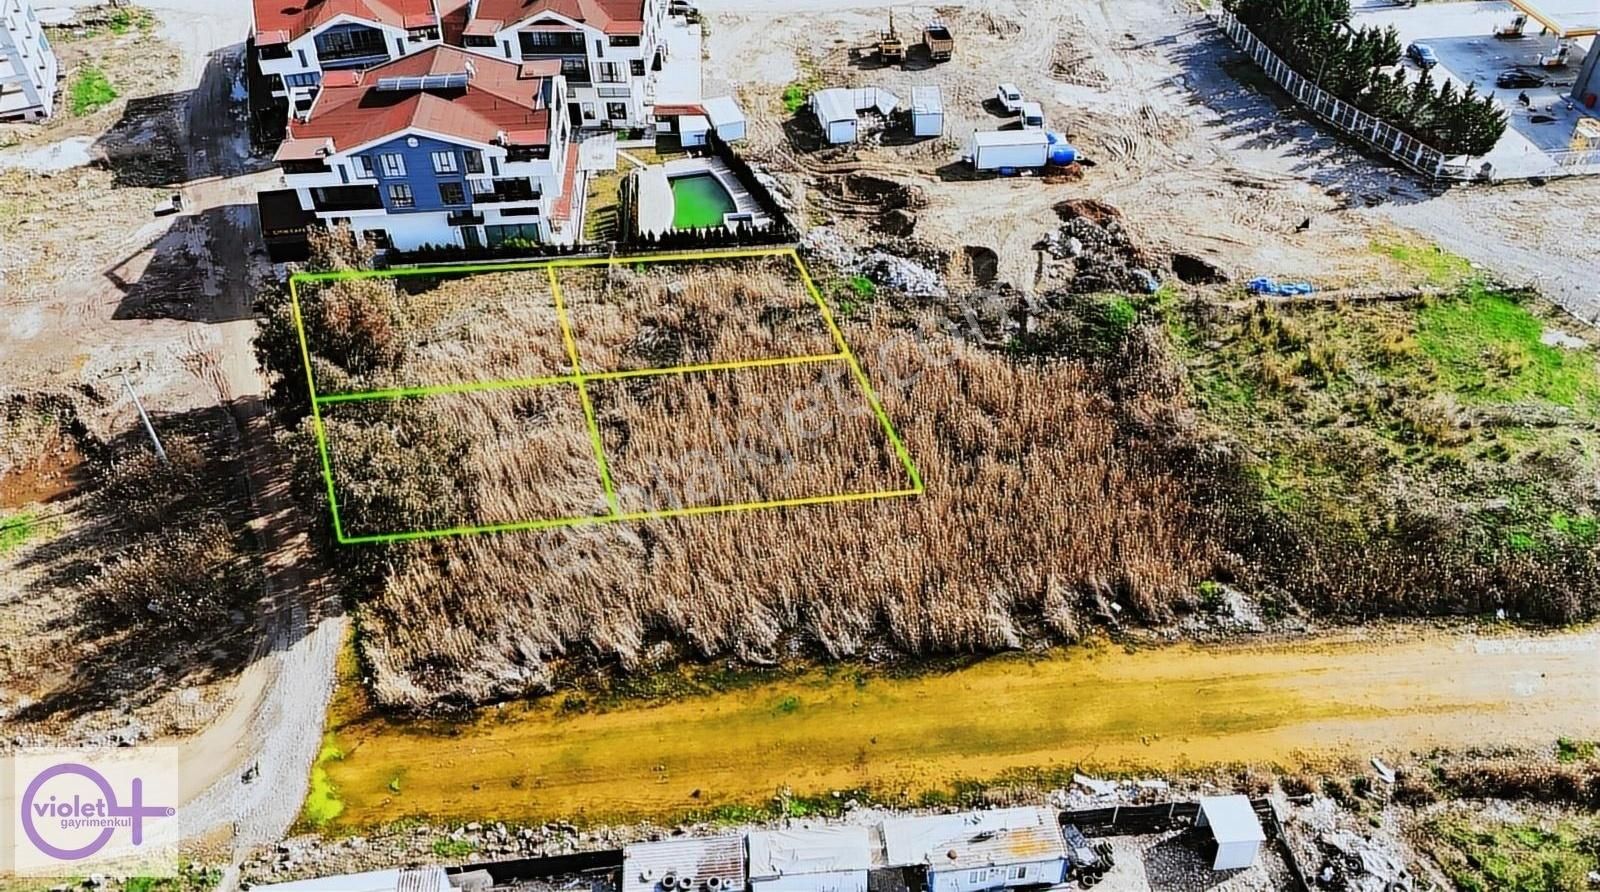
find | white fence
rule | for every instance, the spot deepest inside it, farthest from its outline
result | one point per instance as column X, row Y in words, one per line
column 1402, row 147
column 1397, row 144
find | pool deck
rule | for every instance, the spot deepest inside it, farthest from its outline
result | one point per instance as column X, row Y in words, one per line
column 657, row 206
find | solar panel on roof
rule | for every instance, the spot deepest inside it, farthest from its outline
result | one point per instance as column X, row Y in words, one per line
column 454, row 81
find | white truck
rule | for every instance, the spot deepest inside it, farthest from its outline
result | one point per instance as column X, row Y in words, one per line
column 1020, row 149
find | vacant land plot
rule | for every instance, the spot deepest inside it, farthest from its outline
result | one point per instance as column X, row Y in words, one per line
column 689, row 355
column 640, row 316
column 756, row 435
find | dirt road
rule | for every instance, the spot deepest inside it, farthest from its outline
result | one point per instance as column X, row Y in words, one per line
column 193, row 351
column 1157, row 709
column 274, row 723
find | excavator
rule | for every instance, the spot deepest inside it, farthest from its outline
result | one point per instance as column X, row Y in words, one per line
column 891, row 47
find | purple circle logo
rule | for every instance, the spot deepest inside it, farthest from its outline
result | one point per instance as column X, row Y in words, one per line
column 58, row 811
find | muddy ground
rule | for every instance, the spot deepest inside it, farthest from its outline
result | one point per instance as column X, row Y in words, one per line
column 1200, row 158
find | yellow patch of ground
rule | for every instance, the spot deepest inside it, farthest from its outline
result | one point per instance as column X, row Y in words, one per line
column 1157, row 709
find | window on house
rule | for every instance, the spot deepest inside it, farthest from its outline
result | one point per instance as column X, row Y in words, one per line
column 379, row 238
column 637, row 67
column 400, row 196
column 610, row 72
column 474, row 160
column 394, row 164
column 1019, row 872
column 452, row 193
column 616, row 110
column 362, row 164
column 976, row 877
column 514, row 232
column 444, row 162
column 575, row 70
column 304, row 79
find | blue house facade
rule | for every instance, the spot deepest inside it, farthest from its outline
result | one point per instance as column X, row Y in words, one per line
column 401, row 183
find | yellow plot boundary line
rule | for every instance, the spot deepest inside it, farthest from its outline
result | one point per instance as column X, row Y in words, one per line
column 579, row 379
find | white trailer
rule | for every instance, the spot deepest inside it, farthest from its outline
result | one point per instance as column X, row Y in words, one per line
column 927, row 112
column 835, row 109
column 994, row 149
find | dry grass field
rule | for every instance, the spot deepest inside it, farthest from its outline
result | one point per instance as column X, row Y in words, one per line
column 1039, row 511
column 663, row 315
column 1052, row 491
column 735, row 436
column 509, row 456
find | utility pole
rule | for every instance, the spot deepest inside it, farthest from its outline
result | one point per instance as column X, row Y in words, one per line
column 148, row 427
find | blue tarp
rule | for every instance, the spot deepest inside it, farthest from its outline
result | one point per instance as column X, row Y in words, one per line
column 1269, row 285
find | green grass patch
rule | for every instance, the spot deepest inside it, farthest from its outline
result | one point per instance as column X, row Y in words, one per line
column 1569, row 750
column 323, row 803
column 128, row 18
column 90, row 91
column 1438, row 266
column 1483, row 855
column 1486, row 346
column 453, row 848
column 16, row 530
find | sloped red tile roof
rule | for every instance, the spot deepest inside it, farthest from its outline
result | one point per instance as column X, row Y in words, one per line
column 621, row 17
column 294, row 18
column 676, row 111
column 453, row 19
column 569, row 185
column 497, row 99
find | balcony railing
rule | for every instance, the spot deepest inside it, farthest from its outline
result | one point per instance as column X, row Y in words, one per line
column 334, row 199
column 362, row 59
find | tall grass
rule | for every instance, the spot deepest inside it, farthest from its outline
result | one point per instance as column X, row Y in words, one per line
column 1040, row 512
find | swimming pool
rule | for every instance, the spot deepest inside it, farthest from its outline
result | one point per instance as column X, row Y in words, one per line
column 699, row 200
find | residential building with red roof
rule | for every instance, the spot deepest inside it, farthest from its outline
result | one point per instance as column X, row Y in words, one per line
column 608, row 50
column 297, row 42
column 442, row 147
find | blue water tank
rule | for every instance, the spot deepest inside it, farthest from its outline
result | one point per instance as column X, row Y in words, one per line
column 1061, row 152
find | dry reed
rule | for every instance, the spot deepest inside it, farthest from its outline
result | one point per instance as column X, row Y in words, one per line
column 1040, row 509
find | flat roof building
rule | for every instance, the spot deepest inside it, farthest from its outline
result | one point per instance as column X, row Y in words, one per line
column 980, row 850
column 684, row 864
column 829, row 859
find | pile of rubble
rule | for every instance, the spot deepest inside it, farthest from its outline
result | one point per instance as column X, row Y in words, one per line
column 891, row 271
column 1098, row 253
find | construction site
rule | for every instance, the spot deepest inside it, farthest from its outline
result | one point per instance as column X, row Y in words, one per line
column 1080, row 371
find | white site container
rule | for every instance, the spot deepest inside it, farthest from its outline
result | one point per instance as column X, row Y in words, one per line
column 994, row 149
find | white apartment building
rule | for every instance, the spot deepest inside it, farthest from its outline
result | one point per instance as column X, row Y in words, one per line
column 609, row 50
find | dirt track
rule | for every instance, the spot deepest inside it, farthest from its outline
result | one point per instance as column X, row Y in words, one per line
column 191, row 349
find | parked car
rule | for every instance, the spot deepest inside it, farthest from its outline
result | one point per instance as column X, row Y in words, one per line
column 1516, row 78
column 685, row 8
column 172, row 204
column 1032, row 116
column 1422, row 54
column 1010, row 97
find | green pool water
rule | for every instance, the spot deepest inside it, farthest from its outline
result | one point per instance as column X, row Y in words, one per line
column 699, row 201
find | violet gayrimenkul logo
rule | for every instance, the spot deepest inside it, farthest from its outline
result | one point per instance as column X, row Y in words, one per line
column 82, row 809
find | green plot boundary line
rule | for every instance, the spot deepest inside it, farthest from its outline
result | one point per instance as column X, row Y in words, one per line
column 579, row 378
